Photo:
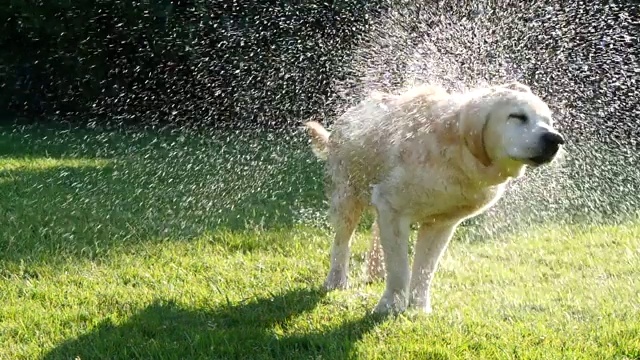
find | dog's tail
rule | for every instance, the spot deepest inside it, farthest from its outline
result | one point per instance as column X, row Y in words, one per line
column 319, row 139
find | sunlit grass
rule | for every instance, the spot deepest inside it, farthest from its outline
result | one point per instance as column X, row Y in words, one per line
column 8, row 166
column 106, row 252
column 41, row 164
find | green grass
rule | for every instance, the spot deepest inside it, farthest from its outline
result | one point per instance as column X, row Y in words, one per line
column 133, row 245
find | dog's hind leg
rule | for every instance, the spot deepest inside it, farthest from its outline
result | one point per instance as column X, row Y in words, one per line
column 344, row 212
column 375, row 256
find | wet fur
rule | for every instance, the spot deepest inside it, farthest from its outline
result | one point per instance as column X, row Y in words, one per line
column 424, row 156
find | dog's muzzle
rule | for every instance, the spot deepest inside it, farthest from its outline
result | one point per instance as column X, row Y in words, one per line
column 549, row 146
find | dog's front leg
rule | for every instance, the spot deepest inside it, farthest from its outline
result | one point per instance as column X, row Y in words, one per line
column 394, row 237
column 431, row 244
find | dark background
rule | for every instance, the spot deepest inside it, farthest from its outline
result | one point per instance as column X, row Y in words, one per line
column 250, row 63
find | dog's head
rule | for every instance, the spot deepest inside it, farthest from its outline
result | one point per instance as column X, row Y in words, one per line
column 509, row 126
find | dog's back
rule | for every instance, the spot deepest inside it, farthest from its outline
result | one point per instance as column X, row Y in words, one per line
column 366, row 143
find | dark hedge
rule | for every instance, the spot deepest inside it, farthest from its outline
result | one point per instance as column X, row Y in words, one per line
column 175, row 61
column 250, row 62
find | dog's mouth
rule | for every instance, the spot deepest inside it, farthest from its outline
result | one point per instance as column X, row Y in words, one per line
column 541, row 159
column 538, row 161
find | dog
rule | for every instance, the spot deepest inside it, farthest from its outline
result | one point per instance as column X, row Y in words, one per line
column 427, row 157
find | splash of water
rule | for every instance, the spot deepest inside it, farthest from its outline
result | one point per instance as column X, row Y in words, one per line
column 582, row 59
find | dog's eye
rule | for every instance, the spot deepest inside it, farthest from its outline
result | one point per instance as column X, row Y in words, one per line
column 522, row 117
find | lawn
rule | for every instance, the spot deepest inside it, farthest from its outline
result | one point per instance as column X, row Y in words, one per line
column 133, row 245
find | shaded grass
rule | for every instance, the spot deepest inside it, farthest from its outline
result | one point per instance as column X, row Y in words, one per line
column 125, row 246
column 85, row 193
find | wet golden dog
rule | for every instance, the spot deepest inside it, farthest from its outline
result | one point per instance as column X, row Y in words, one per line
column 430, row 157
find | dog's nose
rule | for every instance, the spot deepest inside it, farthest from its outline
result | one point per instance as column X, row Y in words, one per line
column 552, row 139
column 549, row 146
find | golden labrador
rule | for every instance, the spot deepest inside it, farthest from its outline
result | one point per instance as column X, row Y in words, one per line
column 430, row 157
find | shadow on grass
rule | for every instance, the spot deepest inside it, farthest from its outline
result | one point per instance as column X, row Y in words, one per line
column 256, row 329
column 149, row 188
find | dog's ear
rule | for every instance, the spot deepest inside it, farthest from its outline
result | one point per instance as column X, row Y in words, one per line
column 517, row 86
column 473, row 128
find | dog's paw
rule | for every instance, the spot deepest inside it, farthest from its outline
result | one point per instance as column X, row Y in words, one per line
column 422, row 305
column 424, row 309
column 336, row 280
column 391, row 303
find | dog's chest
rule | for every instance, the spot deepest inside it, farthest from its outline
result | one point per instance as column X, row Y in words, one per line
column 423, row 196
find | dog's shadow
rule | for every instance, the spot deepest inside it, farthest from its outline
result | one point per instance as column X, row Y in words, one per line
column 251, row 330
